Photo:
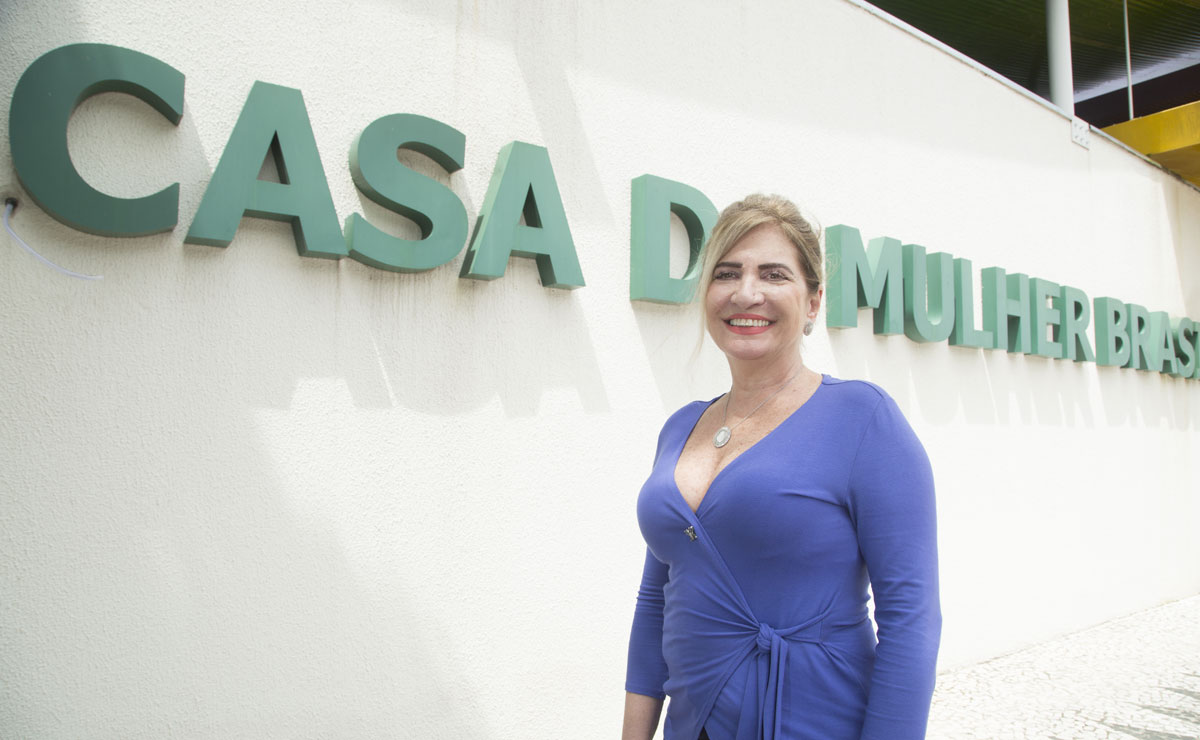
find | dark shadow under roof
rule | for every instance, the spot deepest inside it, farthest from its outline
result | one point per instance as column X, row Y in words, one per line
column 1009, row 36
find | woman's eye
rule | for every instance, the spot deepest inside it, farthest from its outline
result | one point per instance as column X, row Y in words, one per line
column 776, row 275
column 725, row 275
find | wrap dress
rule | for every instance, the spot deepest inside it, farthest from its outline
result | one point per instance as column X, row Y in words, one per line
column 752, row 612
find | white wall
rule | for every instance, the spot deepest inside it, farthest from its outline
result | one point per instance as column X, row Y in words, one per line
column 248, row 495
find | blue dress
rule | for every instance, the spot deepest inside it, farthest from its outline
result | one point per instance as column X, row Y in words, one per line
column 752, row 612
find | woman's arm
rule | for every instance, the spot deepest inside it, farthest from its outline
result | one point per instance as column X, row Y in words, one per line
column 641, row 716
column 646, row 670
column 891, row 490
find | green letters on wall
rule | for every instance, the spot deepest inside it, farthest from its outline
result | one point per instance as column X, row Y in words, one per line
column 436, row 210
column 1142, row 353
column 1112, row 337
column 1071, row 332
column 927, row 297
column 1195, row 335
column 45, row 97
column 861, row 278
column 653, row 200
column 928, row 294
column 1020, row 314
column 523, row 183
column 1042, row 315
column 273, row 120
column 1006, row 309
column 1183, row 331
column 965, row 334
column 1162, row 342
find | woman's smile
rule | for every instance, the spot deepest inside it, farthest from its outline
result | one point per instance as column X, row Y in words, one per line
column 745, row 323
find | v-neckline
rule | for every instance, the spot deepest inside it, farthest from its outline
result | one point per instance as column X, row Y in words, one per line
column 679, row 452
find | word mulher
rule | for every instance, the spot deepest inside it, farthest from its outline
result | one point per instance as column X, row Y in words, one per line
column 930, row 298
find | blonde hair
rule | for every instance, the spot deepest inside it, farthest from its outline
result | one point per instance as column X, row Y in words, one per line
column 740, row 218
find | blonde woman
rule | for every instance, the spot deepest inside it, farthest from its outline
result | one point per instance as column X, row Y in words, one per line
column 768, row 512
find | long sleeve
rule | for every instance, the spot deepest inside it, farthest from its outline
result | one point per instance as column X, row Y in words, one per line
column 892, row 502
column 646, row 671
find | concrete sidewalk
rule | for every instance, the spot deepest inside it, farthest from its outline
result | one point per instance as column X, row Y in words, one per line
column 1135, row 677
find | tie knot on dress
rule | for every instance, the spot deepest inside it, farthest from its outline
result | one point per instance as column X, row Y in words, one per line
column 766, row 637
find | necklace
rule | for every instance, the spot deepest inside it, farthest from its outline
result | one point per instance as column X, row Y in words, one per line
column 725, row 433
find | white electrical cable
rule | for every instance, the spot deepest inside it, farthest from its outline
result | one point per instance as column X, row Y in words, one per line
column 11, row 204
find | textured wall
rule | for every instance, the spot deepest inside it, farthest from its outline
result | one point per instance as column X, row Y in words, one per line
column 245, row 494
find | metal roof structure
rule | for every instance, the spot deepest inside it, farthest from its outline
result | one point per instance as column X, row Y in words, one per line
column 1009, row 36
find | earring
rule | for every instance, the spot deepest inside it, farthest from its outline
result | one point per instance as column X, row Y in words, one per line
column 808, row 328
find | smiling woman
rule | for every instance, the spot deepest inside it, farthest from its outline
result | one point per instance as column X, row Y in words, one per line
column 758, row 290
column 768, row 513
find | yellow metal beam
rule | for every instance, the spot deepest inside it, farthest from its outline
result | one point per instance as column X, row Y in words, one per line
column 1170, row 137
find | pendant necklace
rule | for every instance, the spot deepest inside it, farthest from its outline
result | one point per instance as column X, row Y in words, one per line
column 725, row 433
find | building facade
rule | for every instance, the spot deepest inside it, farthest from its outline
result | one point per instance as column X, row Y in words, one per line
column 270, row 490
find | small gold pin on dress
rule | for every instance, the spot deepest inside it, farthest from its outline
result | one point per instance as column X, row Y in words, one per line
column 691, row 533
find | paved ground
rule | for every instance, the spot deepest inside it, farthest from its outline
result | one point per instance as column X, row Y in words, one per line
column 1136, row 677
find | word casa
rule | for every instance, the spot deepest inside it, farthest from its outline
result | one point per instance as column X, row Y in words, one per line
column 274, row 121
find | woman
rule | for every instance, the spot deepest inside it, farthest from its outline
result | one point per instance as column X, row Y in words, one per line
column 765, row 512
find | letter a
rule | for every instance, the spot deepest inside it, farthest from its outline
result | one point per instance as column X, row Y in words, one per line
column 272, row 120
column 523, row 182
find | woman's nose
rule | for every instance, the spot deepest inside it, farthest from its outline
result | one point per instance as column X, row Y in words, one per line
column 747, row 293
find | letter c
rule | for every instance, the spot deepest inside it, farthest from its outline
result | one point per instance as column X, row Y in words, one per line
column 45, row 97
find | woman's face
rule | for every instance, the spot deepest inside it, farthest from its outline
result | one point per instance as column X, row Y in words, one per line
column 758, row 303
